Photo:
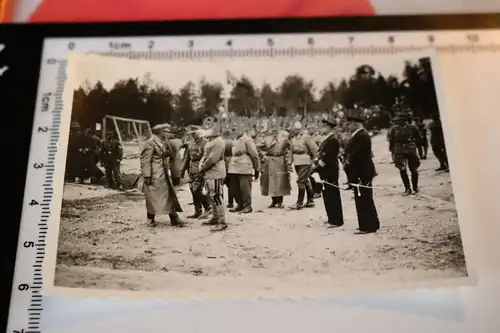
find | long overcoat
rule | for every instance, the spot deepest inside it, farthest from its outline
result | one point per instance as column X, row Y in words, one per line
column 275, row 178
column 160, row 195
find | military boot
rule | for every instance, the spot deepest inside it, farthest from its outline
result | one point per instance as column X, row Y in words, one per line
column 310, row 198
column 175, row 221
column 197, row 207
column 406, row 181
column 300, row 200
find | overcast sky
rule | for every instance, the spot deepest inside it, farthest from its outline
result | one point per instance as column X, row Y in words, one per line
column 175, row 74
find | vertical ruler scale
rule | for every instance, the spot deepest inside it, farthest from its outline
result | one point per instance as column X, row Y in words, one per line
column 27, row 299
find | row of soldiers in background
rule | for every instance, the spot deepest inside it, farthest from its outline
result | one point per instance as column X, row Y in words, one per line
column 273, row 158
column 408, row 144
column 86, row 150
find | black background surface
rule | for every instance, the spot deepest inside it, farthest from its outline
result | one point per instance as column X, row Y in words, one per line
column 18, row 85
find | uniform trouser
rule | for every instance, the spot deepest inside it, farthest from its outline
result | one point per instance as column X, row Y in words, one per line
column 365, row 208
column 304, row 182
column 230, row 179
column 113, row 174
column 215, row 191
column 200, row 201
column 333, row 202
column 242, row 190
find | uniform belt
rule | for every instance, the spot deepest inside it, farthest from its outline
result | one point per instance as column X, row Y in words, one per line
column 299, row 152
column 276, row 155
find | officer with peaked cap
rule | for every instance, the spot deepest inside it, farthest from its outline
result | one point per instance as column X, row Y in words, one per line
column 213, row 169
column 191, row 163
column 326, row 163
column 276, row 167
column 303, row 149
column 360, row 171
column 404, row 138
column 158, row 189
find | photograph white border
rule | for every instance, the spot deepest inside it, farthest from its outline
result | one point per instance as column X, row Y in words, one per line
column 460, row 190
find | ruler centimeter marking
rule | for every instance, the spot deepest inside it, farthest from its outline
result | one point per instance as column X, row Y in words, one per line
column 27, row 301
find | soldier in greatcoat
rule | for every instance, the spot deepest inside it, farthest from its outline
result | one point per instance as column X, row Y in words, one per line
column 275, row 178
column 111, row 155
column 326, row 163
column 244, row 165
column 191, row 164
column 360, row 171
column 213, row 169
column 158, row 189
column 302, row 151
column 404, row 137
column 437, row 143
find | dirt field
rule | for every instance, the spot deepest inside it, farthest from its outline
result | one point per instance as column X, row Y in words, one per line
column 106, row 244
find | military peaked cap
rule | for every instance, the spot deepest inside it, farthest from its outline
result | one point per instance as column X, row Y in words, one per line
column 354, row 115
column 165, row 126
column 330, row 121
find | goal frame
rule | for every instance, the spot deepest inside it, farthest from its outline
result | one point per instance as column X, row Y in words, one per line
column 113, row 120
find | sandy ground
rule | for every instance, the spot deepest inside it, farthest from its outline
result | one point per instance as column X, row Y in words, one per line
column 106, row 244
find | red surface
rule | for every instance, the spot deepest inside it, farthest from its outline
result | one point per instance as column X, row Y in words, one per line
column 137, row 10
column 6, row 11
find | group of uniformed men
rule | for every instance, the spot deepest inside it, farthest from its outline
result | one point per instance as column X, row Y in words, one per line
column 408, row 144
column 86, row 150
column 235, row 158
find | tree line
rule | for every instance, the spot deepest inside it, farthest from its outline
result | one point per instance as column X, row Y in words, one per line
column 144, row 99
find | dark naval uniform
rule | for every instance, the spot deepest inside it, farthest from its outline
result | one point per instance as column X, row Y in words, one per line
column 360, row 171
column 326, row 163
column 191, row 163
column 111, row 155
column 437, row 144
column 404, row 137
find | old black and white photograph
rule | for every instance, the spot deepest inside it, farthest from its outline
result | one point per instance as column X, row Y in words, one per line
column 261, row 176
